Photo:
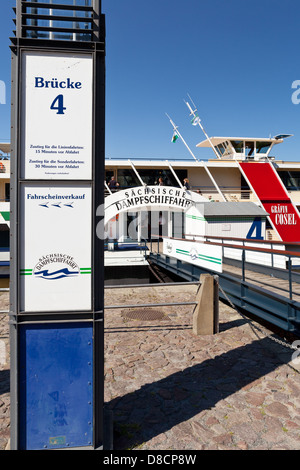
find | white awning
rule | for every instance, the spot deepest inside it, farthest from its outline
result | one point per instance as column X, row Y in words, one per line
column 5, row 147
column 219, row 140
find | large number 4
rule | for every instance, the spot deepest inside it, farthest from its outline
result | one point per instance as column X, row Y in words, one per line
column 58, row 104
column 255, row 227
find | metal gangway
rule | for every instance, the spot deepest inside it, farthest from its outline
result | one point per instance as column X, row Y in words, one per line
column 268, row 293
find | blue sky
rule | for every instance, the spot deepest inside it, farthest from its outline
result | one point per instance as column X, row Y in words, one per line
column 237, row 59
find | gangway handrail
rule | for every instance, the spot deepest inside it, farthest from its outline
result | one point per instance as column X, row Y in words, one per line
column 165, row 304
column 253, row 248
column 248, row 240
column 240, row 247
column 280, row 311
column 153, row 284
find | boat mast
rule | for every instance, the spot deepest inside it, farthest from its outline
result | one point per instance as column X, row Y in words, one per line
column 176, row 131
column 196, row 120
column 175, row 128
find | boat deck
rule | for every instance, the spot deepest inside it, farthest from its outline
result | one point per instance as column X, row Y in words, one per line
column 270, row 283
column 267, row 282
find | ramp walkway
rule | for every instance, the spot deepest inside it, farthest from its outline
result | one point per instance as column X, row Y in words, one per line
column 270, row 293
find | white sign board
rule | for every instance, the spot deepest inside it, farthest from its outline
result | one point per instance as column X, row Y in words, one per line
column 55, row 247
column 199, row 254
column 147, row 197
column 57, row 116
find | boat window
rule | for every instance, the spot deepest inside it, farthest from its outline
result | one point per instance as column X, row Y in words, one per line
column 224, row 149
column 290, row 179
column 249, row 148
column 262, row 147
column 238, row 145
column 150, row 176
column 127, row 178
column 218, row 150
column 108, row 175
column 221, row 148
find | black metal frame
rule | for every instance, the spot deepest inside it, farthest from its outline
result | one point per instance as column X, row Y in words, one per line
column 96, row 31
column 96, row 47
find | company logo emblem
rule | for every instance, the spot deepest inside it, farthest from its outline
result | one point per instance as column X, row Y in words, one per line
column 194, row 254
column 60, row 273
column 169, row 247
column 56, row 266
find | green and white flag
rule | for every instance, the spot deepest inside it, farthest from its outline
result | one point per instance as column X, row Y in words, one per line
column 195, row 120
column 175, row 137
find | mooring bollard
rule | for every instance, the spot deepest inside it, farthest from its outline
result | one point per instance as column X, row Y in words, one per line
column 206, row 314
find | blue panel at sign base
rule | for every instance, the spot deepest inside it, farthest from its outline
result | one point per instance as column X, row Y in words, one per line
column 56, row 386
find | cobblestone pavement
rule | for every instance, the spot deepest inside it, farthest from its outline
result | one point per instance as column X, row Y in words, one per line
column 171, row 390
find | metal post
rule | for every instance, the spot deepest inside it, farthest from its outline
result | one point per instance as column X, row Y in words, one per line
column 213, row 181
column 34, row 22
column 198, row 121
column 175, row 175
column 106, row 186
column 96, row 16
column 216, row 304
column 175, row 128
column 48, row 323
column 137, row 173
column 243, row 264
column 290, row 278
column 51, row 34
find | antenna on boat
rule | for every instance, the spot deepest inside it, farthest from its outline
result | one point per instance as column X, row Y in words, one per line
column 192, row 102
column 177, row 133
column 196, row 120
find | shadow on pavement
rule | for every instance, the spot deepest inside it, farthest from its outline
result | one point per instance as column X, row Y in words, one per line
column 157, row 407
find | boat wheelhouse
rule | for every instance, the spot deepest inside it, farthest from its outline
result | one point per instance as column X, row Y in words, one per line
column 244, row 148
column 245, row 171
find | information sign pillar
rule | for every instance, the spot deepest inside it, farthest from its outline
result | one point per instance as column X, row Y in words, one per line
column 57, row 260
